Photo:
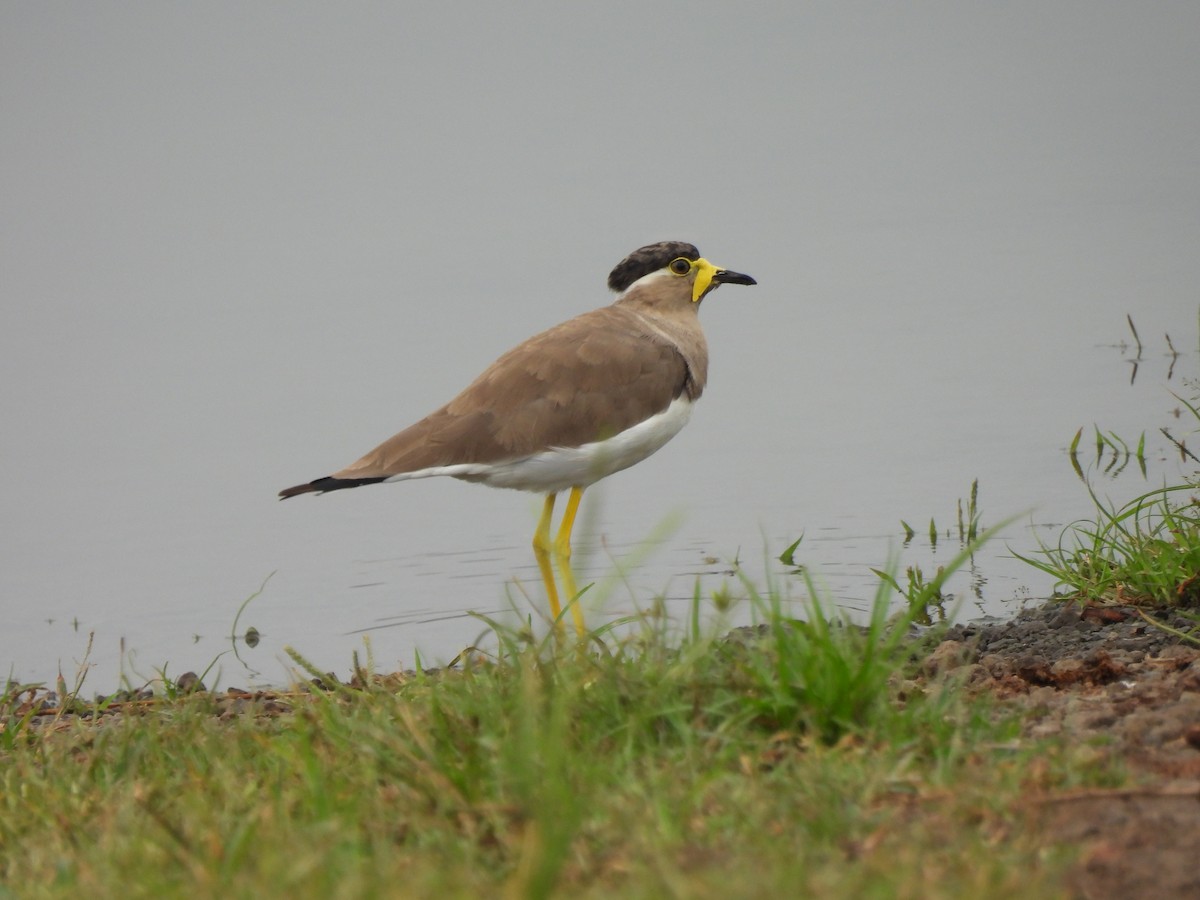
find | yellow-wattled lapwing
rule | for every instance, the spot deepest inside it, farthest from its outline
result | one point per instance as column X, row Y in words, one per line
column 571, row 405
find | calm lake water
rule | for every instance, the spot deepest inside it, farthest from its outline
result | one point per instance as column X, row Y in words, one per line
column 241, row 248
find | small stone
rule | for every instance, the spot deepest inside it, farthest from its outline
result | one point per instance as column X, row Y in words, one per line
column 1190, row 679
column 1065, row 617
column 975, row 675
column 1034, row 669
column 233, row 708
column 1069, row 671
column 1181, row 652
column 946, row 657
column 1191, row 735
column 189, row 683
column 996, row 665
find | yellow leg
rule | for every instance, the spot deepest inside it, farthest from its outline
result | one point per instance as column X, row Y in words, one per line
column 562, row 552
column 541, row 551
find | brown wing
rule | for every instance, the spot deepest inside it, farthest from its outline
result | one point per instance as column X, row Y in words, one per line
column 584, row 380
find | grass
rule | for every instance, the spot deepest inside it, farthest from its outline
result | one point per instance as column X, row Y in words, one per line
column 1145, row 552
column 968, row 521
column 791, row 758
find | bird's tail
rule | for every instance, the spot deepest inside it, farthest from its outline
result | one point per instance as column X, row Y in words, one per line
column 324, row 485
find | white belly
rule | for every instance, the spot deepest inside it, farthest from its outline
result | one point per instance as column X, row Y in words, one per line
column 560, row 468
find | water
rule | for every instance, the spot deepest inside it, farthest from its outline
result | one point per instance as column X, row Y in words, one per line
column 224, row 277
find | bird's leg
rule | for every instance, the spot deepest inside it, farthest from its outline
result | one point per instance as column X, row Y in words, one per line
column 562, row 552
column 541, row 551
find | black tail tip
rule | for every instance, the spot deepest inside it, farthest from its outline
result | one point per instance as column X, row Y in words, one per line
column 297, row 490
column 323, row 485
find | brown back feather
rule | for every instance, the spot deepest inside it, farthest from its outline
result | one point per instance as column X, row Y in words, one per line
column 584, row 380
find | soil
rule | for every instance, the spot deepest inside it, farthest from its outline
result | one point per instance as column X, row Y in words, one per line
column 1108, row 679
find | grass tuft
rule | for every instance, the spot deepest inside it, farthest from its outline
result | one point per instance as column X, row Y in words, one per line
column 1145, row 552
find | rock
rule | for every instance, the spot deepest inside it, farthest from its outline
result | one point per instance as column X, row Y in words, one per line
column 189, row 683
column 1065, row 617
column 946, row 657
column 1035, row 669
column 1191, row 735
column 1189, row 680
column 975, row 675
column 997, row 665
column 1068, row 671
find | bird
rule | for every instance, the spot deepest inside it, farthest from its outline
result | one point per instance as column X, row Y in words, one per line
column 574, row 404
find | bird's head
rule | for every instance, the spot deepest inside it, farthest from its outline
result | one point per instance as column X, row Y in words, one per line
column 673, row 267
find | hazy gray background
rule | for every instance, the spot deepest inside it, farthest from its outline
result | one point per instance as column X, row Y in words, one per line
column 242, row 243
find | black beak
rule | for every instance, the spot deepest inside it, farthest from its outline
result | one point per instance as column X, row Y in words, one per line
column 724, row 276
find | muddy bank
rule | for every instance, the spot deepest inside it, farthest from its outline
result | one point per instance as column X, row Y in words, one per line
column 1108, row 678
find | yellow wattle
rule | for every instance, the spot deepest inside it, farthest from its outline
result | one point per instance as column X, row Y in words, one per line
column 704, row 276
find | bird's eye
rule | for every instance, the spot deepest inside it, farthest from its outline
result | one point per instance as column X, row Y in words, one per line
column 680, row 266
